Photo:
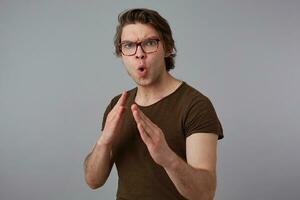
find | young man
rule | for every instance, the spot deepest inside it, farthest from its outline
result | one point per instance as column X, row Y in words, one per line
column 162, row 135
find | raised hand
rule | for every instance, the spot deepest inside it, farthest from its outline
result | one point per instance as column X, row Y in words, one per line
column 113, row 121
column 153, row 137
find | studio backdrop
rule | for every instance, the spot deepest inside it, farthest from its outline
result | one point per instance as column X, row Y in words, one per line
column 58, row 73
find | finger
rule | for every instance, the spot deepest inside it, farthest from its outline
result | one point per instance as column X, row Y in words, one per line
column 114, row 119
column 148, row 128
column 120, row 102
column 119, row 112
column 122, row 99
column 145, row 137
column 137, row 114
column 116, row 111
column 143, row 117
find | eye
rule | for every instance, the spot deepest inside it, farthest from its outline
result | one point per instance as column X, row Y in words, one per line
column 150, row 42
column 128, row 45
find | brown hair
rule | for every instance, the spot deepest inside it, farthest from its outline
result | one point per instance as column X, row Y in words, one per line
column 149, row 17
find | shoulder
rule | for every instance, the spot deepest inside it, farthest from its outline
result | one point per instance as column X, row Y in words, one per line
column 193, row 96
column 199, row 114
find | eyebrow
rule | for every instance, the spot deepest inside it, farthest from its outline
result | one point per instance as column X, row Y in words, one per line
column 151, row 37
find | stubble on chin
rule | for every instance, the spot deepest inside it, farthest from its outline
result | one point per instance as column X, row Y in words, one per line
column 139, row 82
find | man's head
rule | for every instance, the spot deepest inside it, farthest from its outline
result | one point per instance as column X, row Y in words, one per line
column 153, row 19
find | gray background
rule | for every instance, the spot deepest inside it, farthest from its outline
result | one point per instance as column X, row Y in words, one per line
column 58, row 73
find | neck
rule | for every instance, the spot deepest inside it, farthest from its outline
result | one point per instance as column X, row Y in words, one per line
column 147, row 95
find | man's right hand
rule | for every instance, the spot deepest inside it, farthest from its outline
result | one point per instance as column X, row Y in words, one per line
column 113, row 122
column 98, row 163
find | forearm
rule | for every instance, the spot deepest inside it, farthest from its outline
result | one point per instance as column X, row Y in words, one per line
column 192, row 183
column 98, row 164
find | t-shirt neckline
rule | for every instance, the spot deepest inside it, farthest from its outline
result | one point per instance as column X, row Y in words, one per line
column 159, row 101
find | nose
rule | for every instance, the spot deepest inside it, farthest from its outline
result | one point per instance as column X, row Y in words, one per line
column 140, row 54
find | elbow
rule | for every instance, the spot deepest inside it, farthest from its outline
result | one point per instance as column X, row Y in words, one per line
column 94, row 186
column 92, row 183
column 208, row 195
column 210, row 191
column 201, row 196
column 204, row 195
column 204, row 192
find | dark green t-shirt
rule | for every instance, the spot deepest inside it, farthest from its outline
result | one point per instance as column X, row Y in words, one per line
column 179, row 115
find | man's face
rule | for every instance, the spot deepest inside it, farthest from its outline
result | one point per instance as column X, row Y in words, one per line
column 145, row 68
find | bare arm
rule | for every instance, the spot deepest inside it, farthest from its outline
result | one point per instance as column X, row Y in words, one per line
column 98, row 163
column 195, row 179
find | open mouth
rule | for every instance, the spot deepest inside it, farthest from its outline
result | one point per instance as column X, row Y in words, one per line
column 141, row 69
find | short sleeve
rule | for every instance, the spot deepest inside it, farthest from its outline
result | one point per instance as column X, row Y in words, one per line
column 201, row 117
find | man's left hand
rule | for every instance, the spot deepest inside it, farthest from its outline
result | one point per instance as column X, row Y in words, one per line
column 153, row 137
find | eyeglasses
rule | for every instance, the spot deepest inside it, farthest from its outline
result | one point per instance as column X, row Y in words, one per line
column 149, row 45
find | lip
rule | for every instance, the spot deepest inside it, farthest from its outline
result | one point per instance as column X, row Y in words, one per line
column 141, row 70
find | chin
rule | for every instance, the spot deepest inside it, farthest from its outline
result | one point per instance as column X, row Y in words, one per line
column 143, row 82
